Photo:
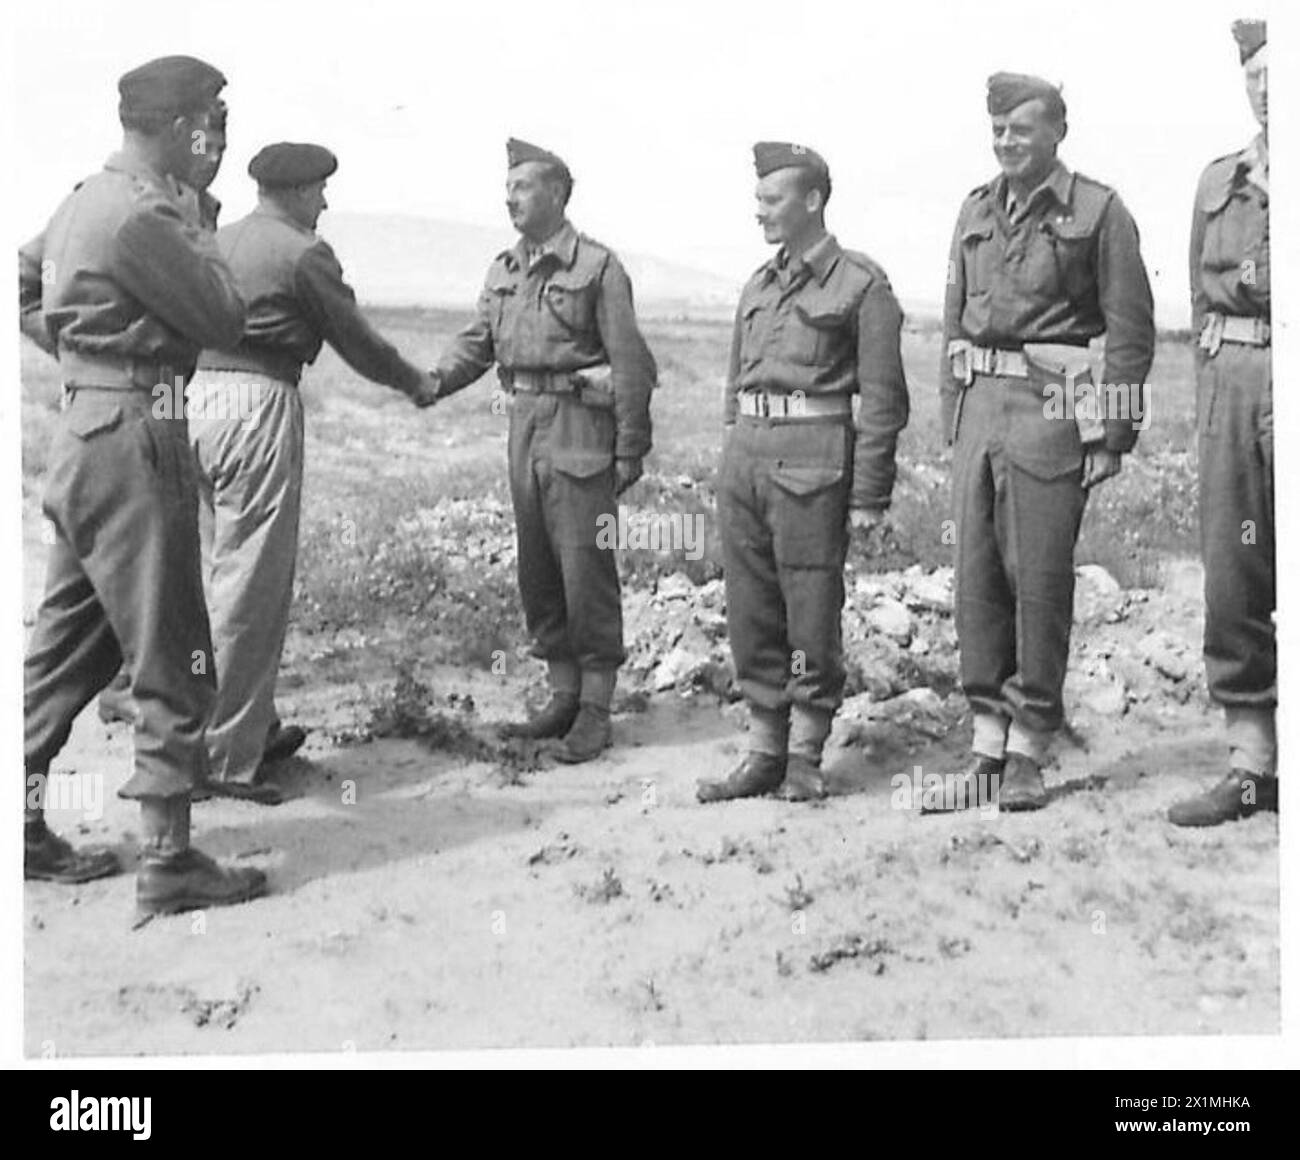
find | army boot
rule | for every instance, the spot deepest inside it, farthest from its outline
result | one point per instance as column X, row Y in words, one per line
column 1022, row 785
column 758, row 774
column 763, row 769
column 975, row 786
column 591, row 733
column 809, row 729
column 174, row 876
column 560, row 712
column 49, row 858
column 1238, row 795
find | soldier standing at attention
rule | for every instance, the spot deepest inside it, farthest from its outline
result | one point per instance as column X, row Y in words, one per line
column 816, row 325
column 1043, row 261
column 1234, row 376
column 246, row 428
column 556, row 316
column 124, row 286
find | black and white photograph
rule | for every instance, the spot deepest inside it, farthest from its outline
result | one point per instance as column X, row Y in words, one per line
column 742, row 534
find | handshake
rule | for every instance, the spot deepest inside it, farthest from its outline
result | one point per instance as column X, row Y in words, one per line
column 427, row 390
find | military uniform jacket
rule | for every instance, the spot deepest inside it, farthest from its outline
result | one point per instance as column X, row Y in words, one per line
column 125, row 270
column 1229, row 249
column 827, row 323
column 1065, row 270
column 297, row 300
column 570, row 309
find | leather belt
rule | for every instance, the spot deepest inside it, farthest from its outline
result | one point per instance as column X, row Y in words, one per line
column 1221, row 328
column 794, row 405
column 115, row 373
column 284, row 367
column 539, row 382
column 988, row 360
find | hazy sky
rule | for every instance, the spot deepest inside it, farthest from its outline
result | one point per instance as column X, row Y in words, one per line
column 655, row 107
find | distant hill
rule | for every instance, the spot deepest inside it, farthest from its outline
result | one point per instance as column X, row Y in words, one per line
column 396, row 260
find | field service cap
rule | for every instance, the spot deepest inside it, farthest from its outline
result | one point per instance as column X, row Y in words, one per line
column 518, row 152
column 288, row 163
column 173, row 85
column 770, row 156
column 1251, row 36
column 1010, row 90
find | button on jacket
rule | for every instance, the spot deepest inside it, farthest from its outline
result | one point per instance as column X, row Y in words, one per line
column 568, row 309
column 125, row 270
column 297, row 299
column 1065, row 269
column 1229, row 248
column 827, row 324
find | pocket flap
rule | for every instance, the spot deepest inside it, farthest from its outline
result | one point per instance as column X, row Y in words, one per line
column 829, row 316
column 806, row 480
column 977, row 233
column 90, row 418
column 582, row 464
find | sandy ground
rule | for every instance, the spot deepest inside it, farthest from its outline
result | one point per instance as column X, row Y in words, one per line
column 421, row 902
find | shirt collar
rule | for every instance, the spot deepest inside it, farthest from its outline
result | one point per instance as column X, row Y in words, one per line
column 1059, row 183
column 561, row 245
column 819, row 259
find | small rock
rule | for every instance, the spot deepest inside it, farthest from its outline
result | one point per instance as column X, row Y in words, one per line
column 892, row 618
column 1098, row 597
column 678, row 586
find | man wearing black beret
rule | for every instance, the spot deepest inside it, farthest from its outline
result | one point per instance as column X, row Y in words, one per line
column 123, row 287
column 556, row 316
column 246, row 426
column 1043, row 261
column 816, row 325
column 1231, row 314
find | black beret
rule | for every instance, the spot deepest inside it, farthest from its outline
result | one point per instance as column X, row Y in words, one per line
column 1010, row 90
column 1251, row 36
column 170, row 85
column 770, row 156
column 289, row 163
column 518, row 152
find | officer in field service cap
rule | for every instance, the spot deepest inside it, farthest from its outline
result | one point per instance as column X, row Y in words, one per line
column 246, row 427
column 556, row 316
column 123, row 287
column 1231, row 310
column 816, row 325
column 1043, row 261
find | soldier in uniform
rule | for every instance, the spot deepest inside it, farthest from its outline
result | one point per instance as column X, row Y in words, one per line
column 1234, row 376
column 816, row 325
column 556, row 316
column 1043, row 261
column 124, row 286
column 246, row 427
column 209, row 148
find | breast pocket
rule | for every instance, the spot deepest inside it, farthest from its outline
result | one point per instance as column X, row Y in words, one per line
column 570, row 299
column 825, row 330
column 1237, row 240
column 1073, row 262
column 977, row 258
